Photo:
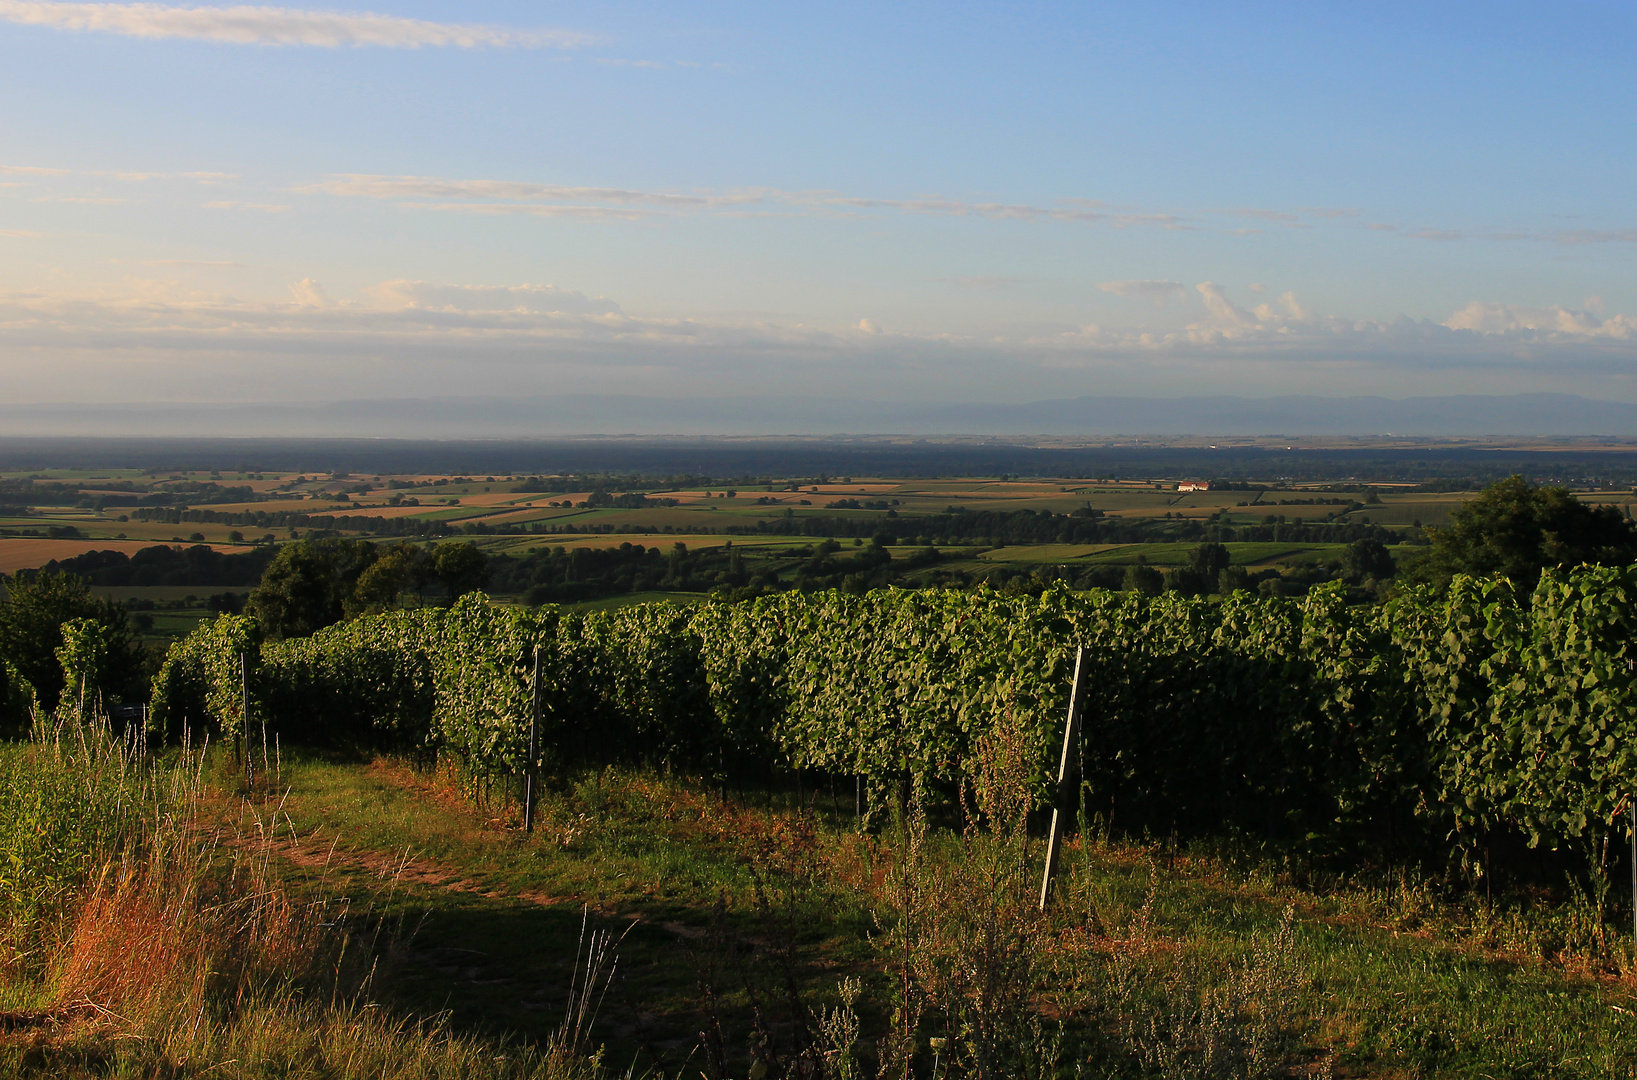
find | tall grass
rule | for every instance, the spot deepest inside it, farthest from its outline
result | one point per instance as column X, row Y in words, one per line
column 141, row 938
column 74, row 798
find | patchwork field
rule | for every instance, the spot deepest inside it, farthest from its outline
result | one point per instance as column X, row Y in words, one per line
column 772, row 523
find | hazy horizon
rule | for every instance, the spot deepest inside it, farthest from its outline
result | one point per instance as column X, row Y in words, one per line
column 1524, row 417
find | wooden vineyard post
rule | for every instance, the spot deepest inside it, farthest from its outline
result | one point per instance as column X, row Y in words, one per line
column 1068, row 770
column 1634, row 869
column 534, row 749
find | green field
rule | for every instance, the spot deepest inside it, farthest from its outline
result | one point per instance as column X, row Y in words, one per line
column 1242, row 554
column 702, row 512
column 1136, row 521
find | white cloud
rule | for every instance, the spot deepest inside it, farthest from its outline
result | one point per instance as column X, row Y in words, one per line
column 249, row 25
column 309, row 293
column 1555, row 322
column 455, row 327
column 1224, row 313
column 1158, row 291
column 208, row 263
column 21, row 234
column 588, row 213
column 1480, row 335
column 162, row 339
column 535, row 299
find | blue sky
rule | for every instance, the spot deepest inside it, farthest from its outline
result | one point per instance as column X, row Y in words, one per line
column 956, row 202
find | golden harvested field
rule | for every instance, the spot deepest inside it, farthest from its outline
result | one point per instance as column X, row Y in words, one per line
column 26, row 553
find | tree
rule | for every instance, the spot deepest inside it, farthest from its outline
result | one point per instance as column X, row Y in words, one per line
column 1209, row 560
column 309, row 584
column 1232, row 579
column 83, row 657
column 31, row 632
column 1144, row 579
column 383, row 582
column 1367, row 558
column 460, row 568
column 1514, row 529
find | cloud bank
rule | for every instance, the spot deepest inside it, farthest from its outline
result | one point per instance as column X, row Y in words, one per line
column 248, row 25
column 159, row 339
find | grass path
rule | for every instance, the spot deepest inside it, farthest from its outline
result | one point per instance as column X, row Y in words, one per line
column 1392, row 984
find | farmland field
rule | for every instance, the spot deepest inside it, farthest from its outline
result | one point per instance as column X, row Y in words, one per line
column 19, row 553
column 944, row 531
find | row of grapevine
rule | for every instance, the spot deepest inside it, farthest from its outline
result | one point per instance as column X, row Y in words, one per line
column 1308, row 719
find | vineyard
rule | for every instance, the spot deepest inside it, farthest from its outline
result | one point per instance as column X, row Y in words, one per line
column 1428, row 724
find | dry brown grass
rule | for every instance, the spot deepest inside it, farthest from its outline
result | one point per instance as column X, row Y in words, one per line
column 184, row 954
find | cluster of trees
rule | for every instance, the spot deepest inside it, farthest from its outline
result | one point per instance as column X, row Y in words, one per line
column 1515, row 529
column 31, row 636
column 564, row 575
column 163, row 564
column 630, row 500
column 285, row 519
column 1364, row 563
column 959, row 526
column 312, row 584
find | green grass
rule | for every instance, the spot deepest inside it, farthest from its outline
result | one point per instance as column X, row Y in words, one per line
column 508, row 929
column 1384, row 981
column 1151, row 955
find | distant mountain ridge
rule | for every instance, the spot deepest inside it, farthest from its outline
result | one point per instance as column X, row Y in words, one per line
column 1467, row 414
column 1519, row 415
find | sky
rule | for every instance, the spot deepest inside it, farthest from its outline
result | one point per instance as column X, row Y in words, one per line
column 947, row 202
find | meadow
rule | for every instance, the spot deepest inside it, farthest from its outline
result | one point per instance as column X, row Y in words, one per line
column 356, row 915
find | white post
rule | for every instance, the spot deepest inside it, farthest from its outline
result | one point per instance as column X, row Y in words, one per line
column 1067, row 773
